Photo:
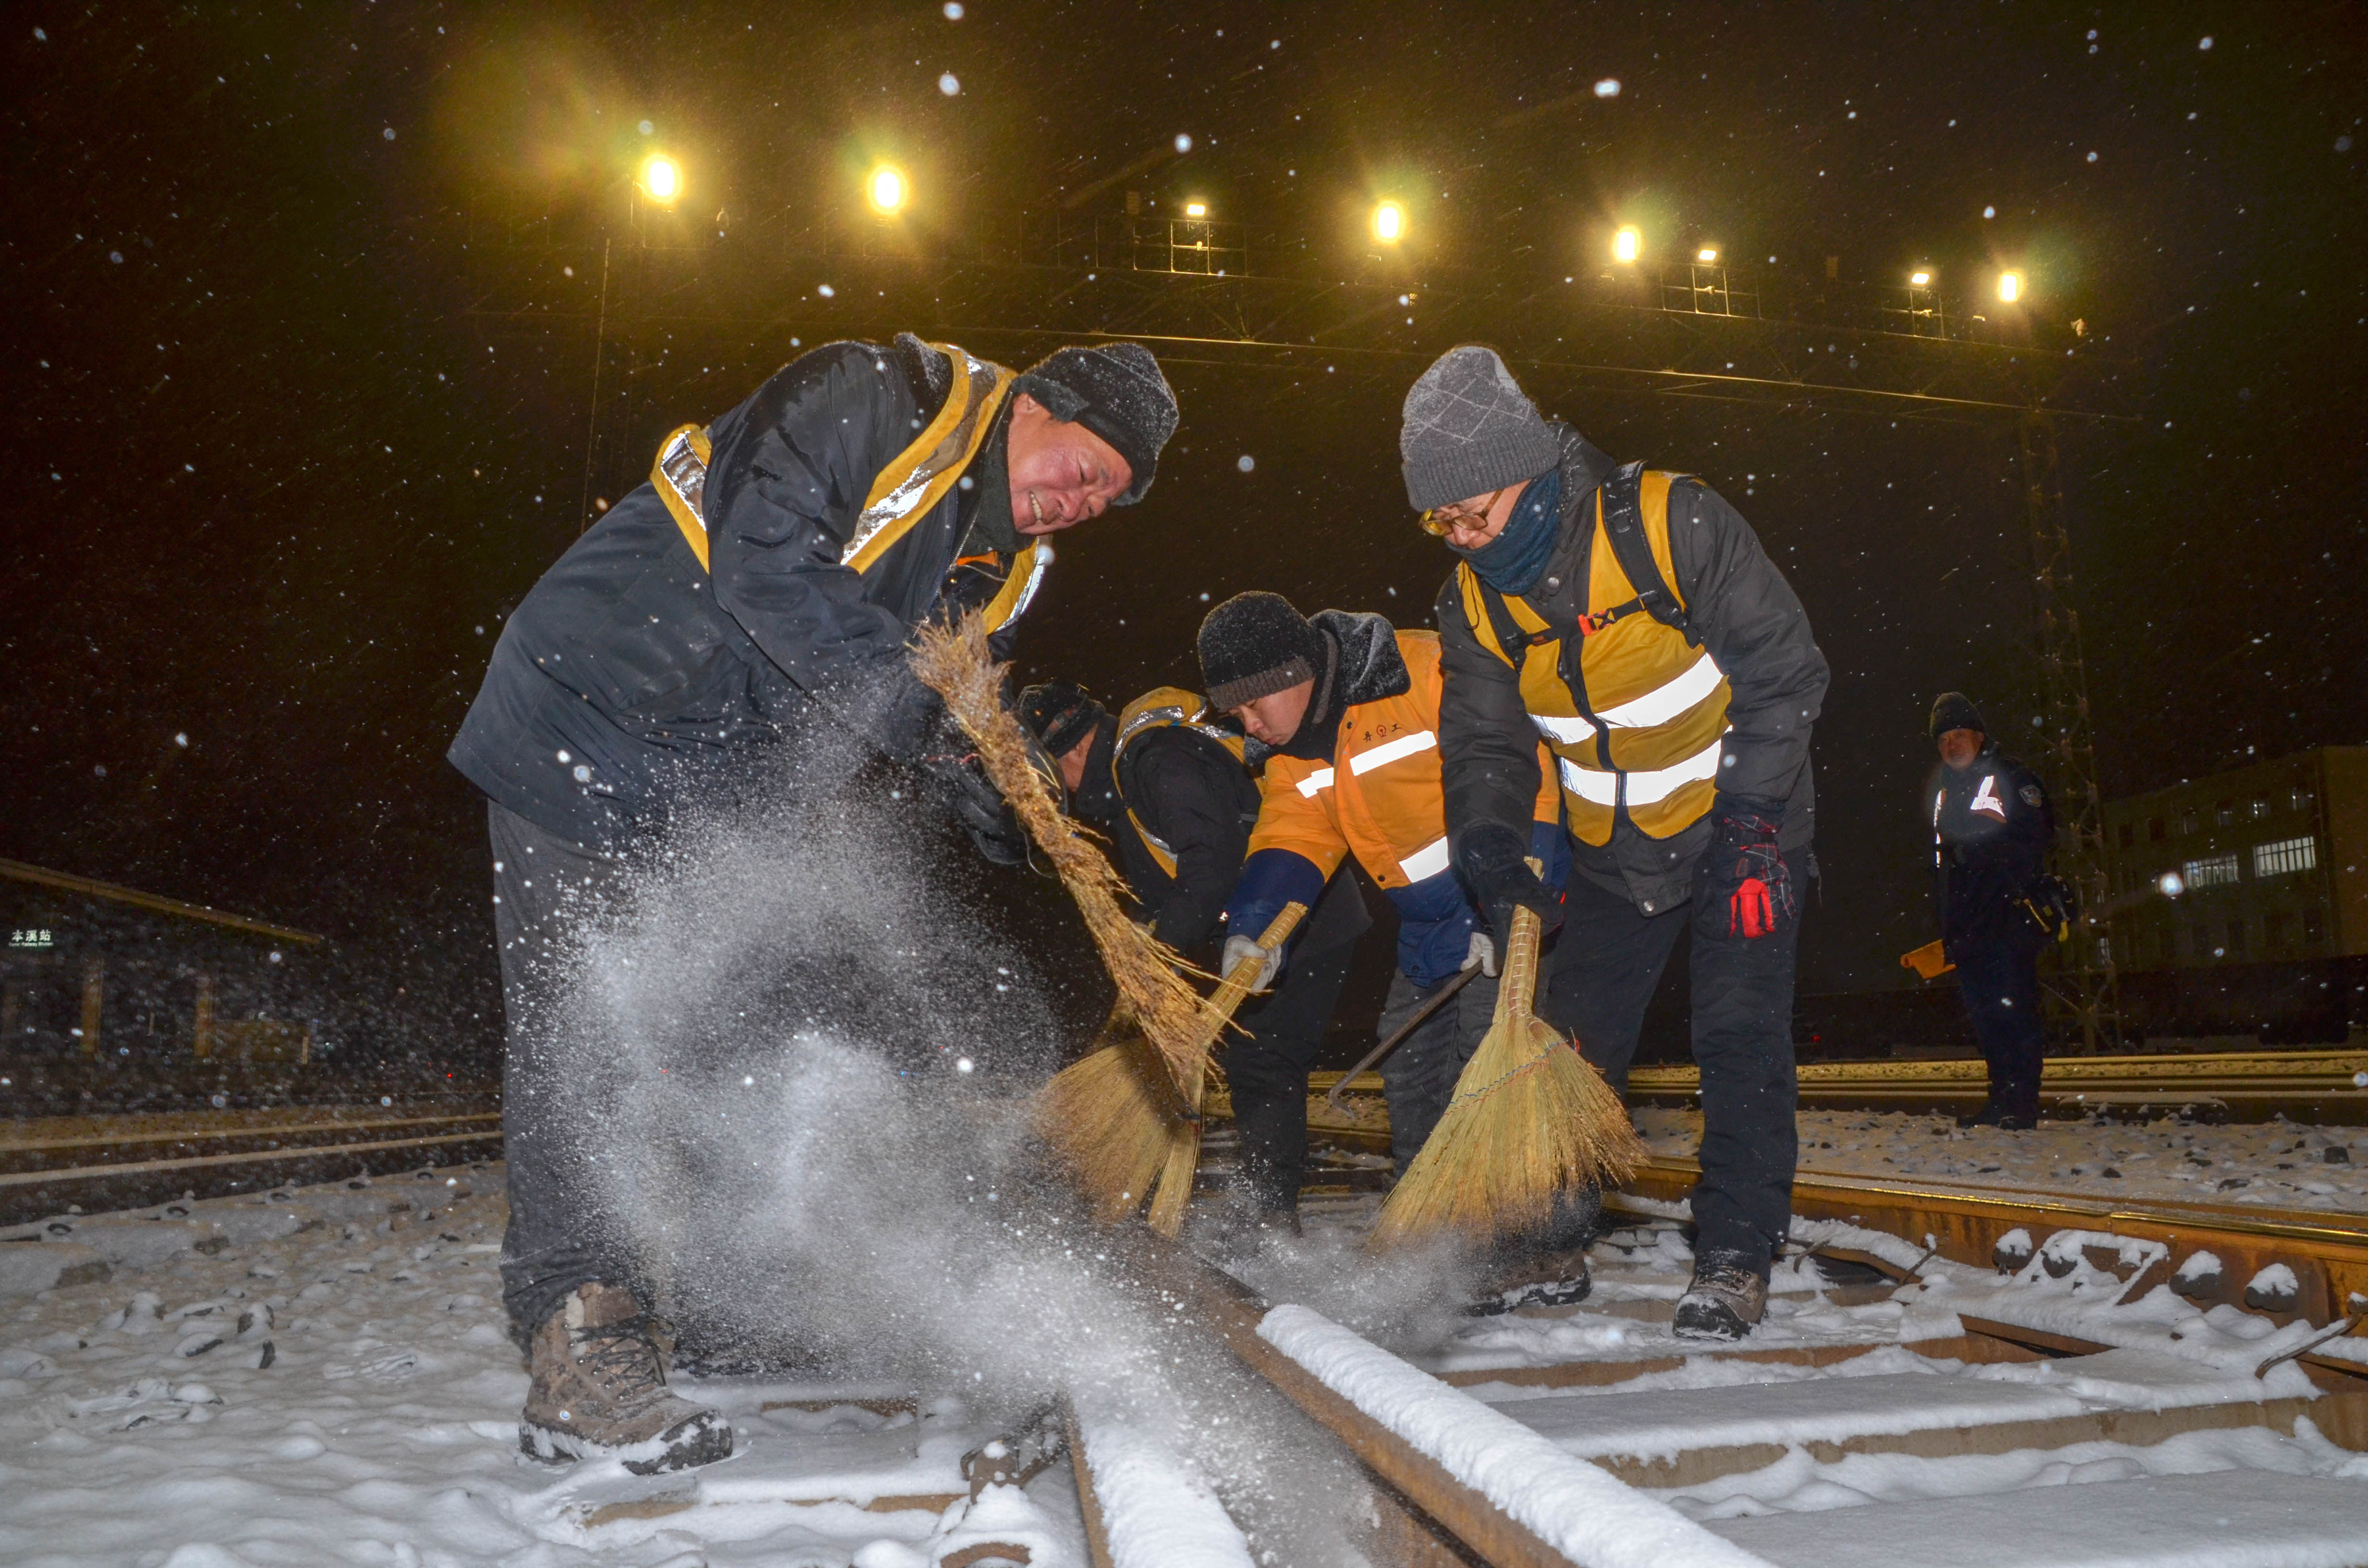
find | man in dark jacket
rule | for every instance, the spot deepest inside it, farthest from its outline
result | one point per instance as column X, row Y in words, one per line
column 758, row 592
column 1630, row 618
column 1992, row 824
column 1174, row 791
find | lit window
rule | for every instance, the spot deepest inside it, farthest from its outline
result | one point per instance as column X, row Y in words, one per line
column 2214, row 871
column 2299, row 801
column 2284, row 856
column 2260, row 806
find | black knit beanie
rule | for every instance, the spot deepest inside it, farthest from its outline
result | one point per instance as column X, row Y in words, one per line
column 1115, row 391
column 1956, row 711
column 1255, row 644
column 1060, row 713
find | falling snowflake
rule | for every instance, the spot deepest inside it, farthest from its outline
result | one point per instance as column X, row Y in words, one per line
column 949, row 85
column 1608, row 89
column 1246, row 462
column 953, row 10
column 1183, row 142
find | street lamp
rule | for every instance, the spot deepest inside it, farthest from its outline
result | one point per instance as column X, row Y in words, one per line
column 887, row 191
column 1707, row 255
column 1921, row 279
column 1628, row 244
column 1389, row 222
column 1196, row 210
column 2009, row 286
column 661, row 179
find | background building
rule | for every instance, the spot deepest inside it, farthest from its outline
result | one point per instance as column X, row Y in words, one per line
column 2240, row 900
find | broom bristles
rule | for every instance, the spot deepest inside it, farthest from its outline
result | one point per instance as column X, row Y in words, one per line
column 957, row 664
column 1531, row 1120
column 1109, row 1123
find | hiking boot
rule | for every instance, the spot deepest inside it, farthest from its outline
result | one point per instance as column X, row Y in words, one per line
column 2006, row 1116
column 1541, row 1279
column 600, row 1391
column 1726, row 1298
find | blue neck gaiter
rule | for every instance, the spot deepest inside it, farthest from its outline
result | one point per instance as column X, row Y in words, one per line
column 1513, row 560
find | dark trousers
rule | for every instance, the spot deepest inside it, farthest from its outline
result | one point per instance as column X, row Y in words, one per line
column 1419, row 1077
column 545, row 888
column 1606, row 964
column 1266, row 1070
column 2000, row 984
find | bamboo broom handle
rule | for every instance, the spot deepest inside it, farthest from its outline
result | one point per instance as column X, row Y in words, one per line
column 1520, row 981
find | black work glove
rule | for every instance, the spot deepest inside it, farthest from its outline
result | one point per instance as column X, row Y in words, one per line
column 957, row 785
column 1747, row 872
column 1493, row 862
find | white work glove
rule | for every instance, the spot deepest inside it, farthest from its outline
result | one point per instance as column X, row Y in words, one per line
column 1238, row 949
column 1482, row 953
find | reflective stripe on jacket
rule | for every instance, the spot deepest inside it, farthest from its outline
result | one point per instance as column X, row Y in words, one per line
column 1632, row 712
column 1162, row 708
column 1379, row 799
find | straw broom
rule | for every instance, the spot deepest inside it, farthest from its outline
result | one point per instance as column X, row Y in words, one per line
column 1530, row 1119
column 1112, row 1117
column 1183, row 1142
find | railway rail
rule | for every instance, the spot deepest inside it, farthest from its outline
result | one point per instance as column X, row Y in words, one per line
column 51, row 1164
column 1918, row 1323
column 2328, row 1086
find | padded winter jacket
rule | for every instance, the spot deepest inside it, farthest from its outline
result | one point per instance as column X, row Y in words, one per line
column 1374, row 793
column 1992, row 824
column 632, row 681
column 1749, row 622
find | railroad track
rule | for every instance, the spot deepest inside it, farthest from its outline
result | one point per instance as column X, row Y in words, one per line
column 49, row 1164
column 1921, row 1331
column 2328, row 1087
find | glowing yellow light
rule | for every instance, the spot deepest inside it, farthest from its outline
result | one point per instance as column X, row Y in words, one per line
column 887, row 190
column 662, row 179
column 1389, row 222
column 1707, row 255
column 1196, row 210
column 1627, row 244
column 2009, row 286
column 1919, row 278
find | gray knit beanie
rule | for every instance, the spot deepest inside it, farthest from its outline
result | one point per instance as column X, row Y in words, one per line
column 1467, row 429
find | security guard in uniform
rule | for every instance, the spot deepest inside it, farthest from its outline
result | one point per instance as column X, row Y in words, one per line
column 1173, row 789
column 1992, row 824
column 1349, row 706
column 1629, row 618
column 755, row 596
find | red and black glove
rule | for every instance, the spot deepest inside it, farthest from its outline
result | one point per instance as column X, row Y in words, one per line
column 1746, row 871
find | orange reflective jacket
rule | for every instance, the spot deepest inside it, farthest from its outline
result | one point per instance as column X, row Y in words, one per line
column 1379, row 799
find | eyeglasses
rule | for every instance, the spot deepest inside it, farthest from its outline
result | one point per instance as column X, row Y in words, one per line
column 1440, row 521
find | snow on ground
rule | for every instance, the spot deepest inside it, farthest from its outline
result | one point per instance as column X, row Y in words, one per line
column 2277, row 1164
column 323, row 1376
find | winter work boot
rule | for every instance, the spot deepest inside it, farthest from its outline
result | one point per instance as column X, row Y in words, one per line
column 2006, row 1116
column 1726, row 1298
column 1547, row 1279
column 599, row 1392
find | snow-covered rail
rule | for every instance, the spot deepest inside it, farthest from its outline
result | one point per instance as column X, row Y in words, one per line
column 2209, row 1254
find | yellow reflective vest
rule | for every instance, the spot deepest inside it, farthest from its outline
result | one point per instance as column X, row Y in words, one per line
column 1634, row 710
column 902, row 492
column 1161, row 708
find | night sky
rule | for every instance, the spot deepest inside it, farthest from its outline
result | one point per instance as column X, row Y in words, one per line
column 275, row 466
